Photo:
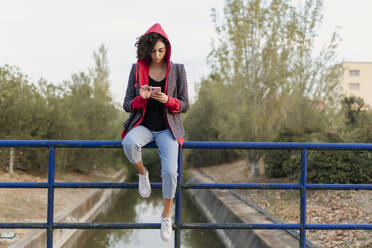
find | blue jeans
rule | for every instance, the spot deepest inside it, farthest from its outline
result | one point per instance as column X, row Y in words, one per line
column 138, row 137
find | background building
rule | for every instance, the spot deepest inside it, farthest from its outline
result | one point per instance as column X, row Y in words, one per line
column 357, row 80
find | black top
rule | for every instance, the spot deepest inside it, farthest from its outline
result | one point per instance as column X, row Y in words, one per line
column 154, row 118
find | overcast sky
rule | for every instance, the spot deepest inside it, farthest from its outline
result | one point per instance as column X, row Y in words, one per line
column 53, row 39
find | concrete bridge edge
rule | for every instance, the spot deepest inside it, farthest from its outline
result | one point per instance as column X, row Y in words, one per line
column 221, row 206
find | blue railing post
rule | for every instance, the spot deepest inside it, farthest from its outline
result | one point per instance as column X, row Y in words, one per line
column 303, row 199
column 50, row 213
column 177, row 231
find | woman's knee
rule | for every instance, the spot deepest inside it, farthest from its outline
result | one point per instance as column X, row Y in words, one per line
column 132, row 150
column 169, row 163
column 169, row 170
column 130, row 144
column 169, row 179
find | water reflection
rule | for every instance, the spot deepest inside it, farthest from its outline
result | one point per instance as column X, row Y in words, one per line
column 132, row 208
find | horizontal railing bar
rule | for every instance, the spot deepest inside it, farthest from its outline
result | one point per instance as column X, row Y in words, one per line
column 61, row 143
column 106, row 225
column 102, row 185
column 147, row 226
column 76, row 185
column 273, row 186
column 237, row 226
column 275, row 145
column 339, row 186
column 81, row 225
column 339, row 226
column 23, row 185
column 241, row 186
column 189, row 144
column 184, row 226
column 23, row 225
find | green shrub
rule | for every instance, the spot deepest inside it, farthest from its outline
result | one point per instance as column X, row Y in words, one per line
column 200, row 158
column 283, row 163
column 274, row 163
column 323, row 166
column 340, row 167
column 292, row 166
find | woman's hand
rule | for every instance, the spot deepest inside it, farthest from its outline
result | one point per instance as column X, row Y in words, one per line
column 145, row 91
column 160, row 96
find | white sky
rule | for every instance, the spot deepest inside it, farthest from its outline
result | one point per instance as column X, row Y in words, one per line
column 53, row 39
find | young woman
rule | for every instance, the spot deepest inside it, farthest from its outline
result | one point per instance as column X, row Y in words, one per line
column 155, row 116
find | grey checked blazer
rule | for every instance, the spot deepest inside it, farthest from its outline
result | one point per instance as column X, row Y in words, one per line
column 176, row 87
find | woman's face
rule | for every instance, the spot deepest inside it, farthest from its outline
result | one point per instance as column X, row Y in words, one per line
column 158, row 52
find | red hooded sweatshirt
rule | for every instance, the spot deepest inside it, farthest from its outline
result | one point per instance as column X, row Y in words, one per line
column 142, row 69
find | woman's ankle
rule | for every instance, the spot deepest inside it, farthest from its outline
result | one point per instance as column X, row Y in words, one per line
column 141, row 169
column 165, row 216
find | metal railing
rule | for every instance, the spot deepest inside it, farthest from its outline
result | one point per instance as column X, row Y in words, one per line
column 50, row 225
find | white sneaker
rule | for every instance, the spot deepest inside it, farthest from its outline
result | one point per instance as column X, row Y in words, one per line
column 166, row 228
column 144, row 187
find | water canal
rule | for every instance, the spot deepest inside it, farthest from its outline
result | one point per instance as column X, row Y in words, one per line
column 130, row 207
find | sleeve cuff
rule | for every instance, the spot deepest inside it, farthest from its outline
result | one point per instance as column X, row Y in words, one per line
column 173, row 104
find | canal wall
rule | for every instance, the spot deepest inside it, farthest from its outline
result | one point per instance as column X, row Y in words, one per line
column 95, row 202
column 223, row 207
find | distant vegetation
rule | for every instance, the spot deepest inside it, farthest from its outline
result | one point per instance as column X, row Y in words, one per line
column 80, row 108
column 329, row 166
column 267, row 84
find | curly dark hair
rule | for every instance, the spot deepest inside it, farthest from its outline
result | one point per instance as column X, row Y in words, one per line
column 146, row 43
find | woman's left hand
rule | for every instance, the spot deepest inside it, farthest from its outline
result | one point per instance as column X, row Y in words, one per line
column 160, row 96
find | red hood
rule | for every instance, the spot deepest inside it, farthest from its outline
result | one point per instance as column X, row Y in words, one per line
column 156, row 28
column 143, row 66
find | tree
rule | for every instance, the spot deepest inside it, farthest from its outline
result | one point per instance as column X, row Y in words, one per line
column 358, row 120
column 91, row 113
column 80, row 108
column 202, row 122
column 264, row 59
column 21, row 116
column 100, row 75
column 354, row 109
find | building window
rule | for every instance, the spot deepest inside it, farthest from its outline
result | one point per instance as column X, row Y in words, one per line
column 354, row 73
column 354, row 86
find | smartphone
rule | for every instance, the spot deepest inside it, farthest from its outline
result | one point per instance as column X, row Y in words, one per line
column 155, row 90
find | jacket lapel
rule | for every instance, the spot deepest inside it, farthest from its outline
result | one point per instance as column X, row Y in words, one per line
column 171, row 80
